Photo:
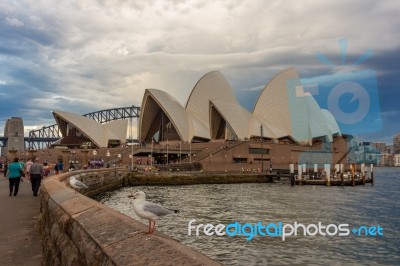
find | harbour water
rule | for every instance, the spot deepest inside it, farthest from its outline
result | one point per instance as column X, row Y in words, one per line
column 272, row 203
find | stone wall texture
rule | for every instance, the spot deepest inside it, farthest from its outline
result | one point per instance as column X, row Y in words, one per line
column 77, row 230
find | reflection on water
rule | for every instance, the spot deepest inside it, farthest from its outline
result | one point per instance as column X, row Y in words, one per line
column 271, row 203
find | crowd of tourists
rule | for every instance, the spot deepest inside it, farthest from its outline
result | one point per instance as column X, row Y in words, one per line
column 31, row 171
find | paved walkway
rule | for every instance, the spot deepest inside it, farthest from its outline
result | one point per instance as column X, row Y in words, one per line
column 19, row 235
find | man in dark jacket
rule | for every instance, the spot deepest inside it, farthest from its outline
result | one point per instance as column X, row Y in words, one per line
column 36, row 172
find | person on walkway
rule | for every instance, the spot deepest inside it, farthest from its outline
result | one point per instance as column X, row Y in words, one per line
column 46, row 170
column 5, row 169
column 36, row 176
column 14, row 176
column 22, row 163
column 60, row 167
column 27, row 168
column 56, row 169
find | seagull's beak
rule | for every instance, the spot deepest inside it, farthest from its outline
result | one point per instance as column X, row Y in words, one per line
column 131, row 196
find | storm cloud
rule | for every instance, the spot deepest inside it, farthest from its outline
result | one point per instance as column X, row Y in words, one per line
column 83, row 56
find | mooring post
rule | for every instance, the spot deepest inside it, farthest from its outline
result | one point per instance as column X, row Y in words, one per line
column 372, row 174
column 353, row 170
column 372, row 178
column 315, row 170
column 363, row 172
column 341, row 174
column 328, row 174
column 299, row 173
column 292, row 180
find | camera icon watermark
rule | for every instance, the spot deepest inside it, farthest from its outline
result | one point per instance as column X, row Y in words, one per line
column 345, row 100
column 351, row 96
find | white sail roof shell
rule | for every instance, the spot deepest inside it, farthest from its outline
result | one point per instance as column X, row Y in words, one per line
column 212, row 86
column 287, row 110
column 116, row 129
column 98, row 133
column 282, row 108
column 272, row 106
column 172, row 108
column 238, row 118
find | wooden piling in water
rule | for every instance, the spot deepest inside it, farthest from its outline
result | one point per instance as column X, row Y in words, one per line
column 372, row 178
column 341, row 179
column 328, row 174
column 335, row 178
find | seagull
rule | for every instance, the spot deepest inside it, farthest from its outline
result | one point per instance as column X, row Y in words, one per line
column 76, row 184
column 148, row 210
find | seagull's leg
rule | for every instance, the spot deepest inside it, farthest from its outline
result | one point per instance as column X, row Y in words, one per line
column 154, row 226
column 149, row 232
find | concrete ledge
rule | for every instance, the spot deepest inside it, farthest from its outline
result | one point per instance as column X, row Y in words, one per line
column 149, row 179
column 77, row 230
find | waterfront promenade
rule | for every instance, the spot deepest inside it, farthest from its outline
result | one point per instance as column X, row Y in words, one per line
column 19, row 235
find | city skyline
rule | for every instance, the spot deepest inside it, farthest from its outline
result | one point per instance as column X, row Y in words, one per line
column 87, row 56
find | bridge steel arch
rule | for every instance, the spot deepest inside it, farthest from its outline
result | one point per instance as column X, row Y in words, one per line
column 44, row 137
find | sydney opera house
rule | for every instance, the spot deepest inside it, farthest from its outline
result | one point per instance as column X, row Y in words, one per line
column 285, row 125
column 212, row 112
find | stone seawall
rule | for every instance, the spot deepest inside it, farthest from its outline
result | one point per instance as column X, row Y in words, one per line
column 77, row 230
column 134, row 179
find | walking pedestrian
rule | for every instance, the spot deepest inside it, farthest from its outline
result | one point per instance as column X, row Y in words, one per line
column 5, row 169
column 36, row 172
column 22, row 163
column 27, row 168
column 60, row 167
column 56, row 169
column 14, row 176
column 46, row 170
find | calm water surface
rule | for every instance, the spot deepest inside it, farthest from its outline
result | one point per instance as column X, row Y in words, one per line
column 271, row 203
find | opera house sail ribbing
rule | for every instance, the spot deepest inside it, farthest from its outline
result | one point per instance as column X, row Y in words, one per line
column 212, row 112
column 77, row 130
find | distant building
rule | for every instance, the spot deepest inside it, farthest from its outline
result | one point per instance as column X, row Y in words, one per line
column 396, row 143
column 397, row 160
column 390, row 149
column 381, row 147
column 14, row 131
column 387, row 159
column 366, row 152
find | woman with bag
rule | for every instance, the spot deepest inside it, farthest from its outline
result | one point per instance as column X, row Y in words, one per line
column 14, row 176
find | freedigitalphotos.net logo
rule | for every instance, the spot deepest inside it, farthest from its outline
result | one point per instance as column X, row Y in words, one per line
column 280, row 229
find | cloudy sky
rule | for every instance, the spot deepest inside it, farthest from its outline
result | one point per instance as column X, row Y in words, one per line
column 85, row 55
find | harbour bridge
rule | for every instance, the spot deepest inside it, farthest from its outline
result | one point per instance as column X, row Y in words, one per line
column 44, row 137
